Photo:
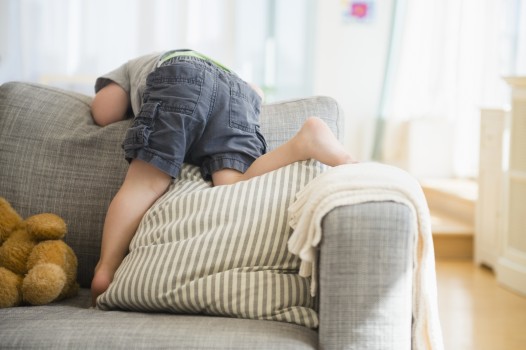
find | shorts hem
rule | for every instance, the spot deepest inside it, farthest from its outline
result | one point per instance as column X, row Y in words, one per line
column 155, row 160
column 220, row 163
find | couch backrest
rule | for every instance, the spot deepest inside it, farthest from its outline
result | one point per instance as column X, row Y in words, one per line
column 53, row 158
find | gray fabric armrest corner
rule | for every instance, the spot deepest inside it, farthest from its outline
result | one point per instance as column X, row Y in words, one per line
column 365, row 278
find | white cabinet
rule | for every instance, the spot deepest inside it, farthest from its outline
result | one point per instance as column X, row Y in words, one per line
column 511, row 265
column 494, row 124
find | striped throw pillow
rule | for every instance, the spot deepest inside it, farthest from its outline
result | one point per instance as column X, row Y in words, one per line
column 218, row 251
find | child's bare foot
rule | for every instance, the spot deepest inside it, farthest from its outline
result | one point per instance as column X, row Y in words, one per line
column 317, row 141
column 101, row 281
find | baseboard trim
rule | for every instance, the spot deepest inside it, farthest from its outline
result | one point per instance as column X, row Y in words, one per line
column 511, row 275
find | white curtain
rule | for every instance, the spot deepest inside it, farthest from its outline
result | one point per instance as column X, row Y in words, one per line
column 447, row 62
column 68, row 43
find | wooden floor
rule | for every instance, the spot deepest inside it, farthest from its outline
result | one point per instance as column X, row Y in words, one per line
column 476, row 312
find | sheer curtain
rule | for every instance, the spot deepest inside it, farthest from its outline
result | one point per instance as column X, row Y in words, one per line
column 67, row 43
column 447, row 61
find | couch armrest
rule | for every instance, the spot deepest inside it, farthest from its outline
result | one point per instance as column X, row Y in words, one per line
column 365, row 286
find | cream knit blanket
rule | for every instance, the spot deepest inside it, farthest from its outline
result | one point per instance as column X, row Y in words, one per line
column 366, row 182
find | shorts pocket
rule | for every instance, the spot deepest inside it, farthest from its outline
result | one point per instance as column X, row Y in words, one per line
column 244, row 108
column 148, row 113
column 137, row 135
column 178, row 86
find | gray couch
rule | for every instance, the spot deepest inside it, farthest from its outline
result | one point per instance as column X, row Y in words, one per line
column 54, row 159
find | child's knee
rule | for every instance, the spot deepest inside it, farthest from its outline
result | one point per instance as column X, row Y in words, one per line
column 226, row 177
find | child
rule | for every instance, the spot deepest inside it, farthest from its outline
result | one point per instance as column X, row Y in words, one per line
column 188, row 108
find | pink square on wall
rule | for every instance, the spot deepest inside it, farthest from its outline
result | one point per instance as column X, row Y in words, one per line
column 358, row 10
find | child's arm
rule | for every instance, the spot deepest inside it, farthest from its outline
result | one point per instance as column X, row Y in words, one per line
column 110, row 105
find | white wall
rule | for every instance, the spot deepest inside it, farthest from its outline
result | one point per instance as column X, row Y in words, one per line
column 68, row 43
column 349, row 66
column 347, row 60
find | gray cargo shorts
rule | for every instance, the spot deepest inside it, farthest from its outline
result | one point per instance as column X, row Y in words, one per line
column 196, row 112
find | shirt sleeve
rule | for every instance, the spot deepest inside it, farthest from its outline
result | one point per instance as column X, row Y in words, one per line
column 120, row 76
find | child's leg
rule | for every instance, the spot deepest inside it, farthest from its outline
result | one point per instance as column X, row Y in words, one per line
column 314, row 140
column 143, row 185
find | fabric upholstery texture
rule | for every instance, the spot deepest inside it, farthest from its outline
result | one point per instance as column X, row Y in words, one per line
column 361, row 296
column 219, row 251
column 53, row 158
column 71, row 324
